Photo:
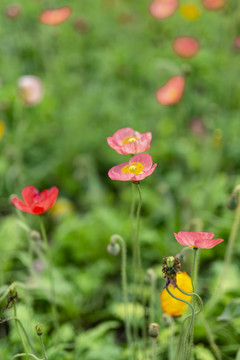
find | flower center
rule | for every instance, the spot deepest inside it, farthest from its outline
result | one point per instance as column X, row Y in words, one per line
column 133, row 168
column 129, row 139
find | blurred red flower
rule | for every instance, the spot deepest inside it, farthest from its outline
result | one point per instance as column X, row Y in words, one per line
column 186, row 46
column 55, row 16
column 128, row 141
column 202, row 240
column 34, row 202
column 213, row 4
column 171, row 92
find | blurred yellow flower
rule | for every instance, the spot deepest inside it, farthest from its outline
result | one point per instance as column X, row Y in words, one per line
column 61, row 208
column 2, row 129
column 190, row 11
column 172, row 306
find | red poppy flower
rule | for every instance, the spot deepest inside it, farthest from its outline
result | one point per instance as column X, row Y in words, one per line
column 186, row 46
column 202, row 240
column 171, row 92
column 55, row 16
column 34, row 202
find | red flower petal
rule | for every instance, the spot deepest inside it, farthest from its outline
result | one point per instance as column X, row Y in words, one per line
column 20, row 205
column 213, row 4
column 29, row 193
column 172, row 92
column 186, row 46
column 55, row 16
column 162, row 9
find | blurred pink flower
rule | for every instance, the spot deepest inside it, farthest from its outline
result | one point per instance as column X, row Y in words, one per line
column 186, row 46
column 31, row 89
column 55, row 16
column 127, row 141
column 213, row 4
column 13, row 11
column 162, row 9
column 171, row 92
column 202, row 240
column 137, row 168
column 237, row 41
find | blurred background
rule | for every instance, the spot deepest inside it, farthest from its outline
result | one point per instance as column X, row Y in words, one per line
column 99, row 72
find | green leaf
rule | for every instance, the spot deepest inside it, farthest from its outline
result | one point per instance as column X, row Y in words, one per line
column 231, row 311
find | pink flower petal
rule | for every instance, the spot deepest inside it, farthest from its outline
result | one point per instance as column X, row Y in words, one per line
column 135, row 147
column 144, row 159
column 202, row 240
column 146, row 173
column 213, row 4
column 55, row 16
column 122, row 134
column 172, row 92
column 186, row 46
column 31, row 89
column 162, row 9
column 237, row 42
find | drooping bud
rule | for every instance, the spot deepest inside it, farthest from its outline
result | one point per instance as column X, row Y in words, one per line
column 13, row 293
column 150, row 276
column 171, row 267
column 38, row 328
column 232, row 202
column 113, row 248
column 153, row 330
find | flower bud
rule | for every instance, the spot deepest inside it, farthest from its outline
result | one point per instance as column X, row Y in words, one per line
column 13, row 292
column 232, row 202
column 153, row 330
column 150, row 276
column 170, row 261
column 171, row 267
column 113, row 248
column 38, row 328
column 34, row 235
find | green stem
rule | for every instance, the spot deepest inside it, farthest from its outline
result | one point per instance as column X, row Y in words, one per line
column 227, row 259
column 194, row 284
column 53, row 293
column 113, row 239
column 19, row 332
column 172, row 340
column 190, row 325
column 24, row 354
column 43, row 348
column 16, row 284
column 152, row 299
column 154, row 349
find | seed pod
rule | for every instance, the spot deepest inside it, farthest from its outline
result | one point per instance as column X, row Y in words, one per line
column 153, row 330
column 113, row 248
column 232, row 202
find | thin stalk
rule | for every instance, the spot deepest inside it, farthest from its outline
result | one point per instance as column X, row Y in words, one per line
column 172, row 340
column 24, row 354
column 211, row 339
column 152, row 299
column 43, row 348
column 227, row 259
column 154, row 349
column 194, row 284
column 190, row 325
column 53, row 293
column 125, row 289
column 16, row 284
column 19, row 332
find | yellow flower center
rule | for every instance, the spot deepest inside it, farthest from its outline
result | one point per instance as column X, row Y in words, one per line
column 129, row 139
column 190, row 11
column 133, row 168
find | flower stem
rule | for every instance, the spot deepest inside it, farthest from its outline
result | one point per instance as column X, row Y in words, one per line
column 154, row 349
column 24, row 354
column 19, row 332
column 124, row 289
column 53, row 293
column 190, row 325
column 227, row 259
column 43, row 348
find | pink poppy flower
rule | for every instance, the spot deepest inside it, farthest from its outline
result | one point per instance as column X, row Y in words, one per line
column 186, row 46
column 137, row 168
column 213, row 4
column 127, row 141
column 34, row 202
column 162, row 9
column 172, row 92
column 237, row 42
column 55, row 16
column 202, row 240
column 31, row 89
column 13, row 11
